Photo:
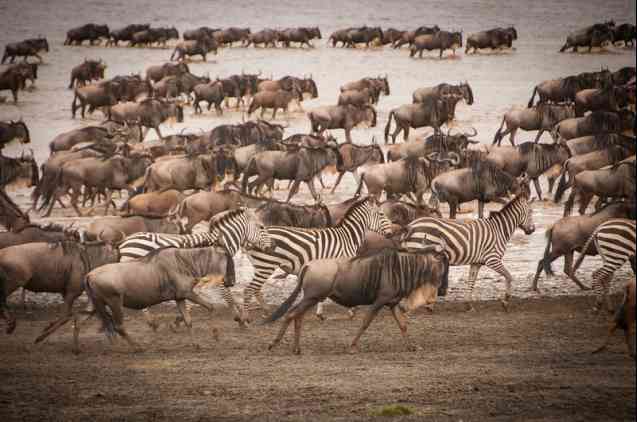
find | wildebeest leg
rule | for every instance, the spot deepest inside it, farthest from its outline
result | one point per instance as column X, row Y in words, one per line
column 568, row 270
column 74, row 196
column 536, row 182
column 497, row 266
column 512, row 136
column 453, row 209
column 294, row 190
column 399, row 317
column 118, row 323
column 348, row 135
column 338, row 180
column 310, row 184
column 539, row 135
column 471, row 283
column 109, row 198
column 69, row 298
column 150, row 319
column 185, row 314
column 371, row 314
column 158, row 132
column 584, row 200
column 405, row 133
column 480, row 209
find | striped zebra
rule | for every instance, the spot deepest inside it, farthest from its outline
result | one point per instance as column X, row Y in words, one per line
column 295, row 247
column 476, row 242
column 230, row 229
column 615, row 243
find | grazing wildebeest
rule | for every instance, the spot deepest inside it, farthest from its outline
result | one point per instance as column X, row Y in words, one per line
column 26, row 48
column 495, row 39
column 564, row 89
column 341, row 117
column 211, row 92
column 125, row 33
column 50, row 267
column 153, row 204
column 542, row 118
column 229, row 36
column 624, row 318
column 592, row 36
column 432, row 113
column 441, row 40
column 201, row 47
column 91, row 32
column 408, row 37
column 379, row 279
column 626, row 33
column 87, row 71
column 115, row 229
column 355, row 156
column 168, row 274
column 14, row 130
column 615, row 182
column 149, row 113
column 274, row 100
column 302, row 35
column 594, row 123
column 569, row 234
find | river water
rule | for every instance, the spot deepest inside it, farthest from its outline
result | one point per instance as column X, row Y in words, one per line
column 499, row 81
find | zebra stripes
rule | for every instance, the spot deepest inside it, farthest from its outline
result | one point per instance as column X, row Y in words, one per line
column 139, row 245
column 296, row 247
column 615, row 243
column 476, row 242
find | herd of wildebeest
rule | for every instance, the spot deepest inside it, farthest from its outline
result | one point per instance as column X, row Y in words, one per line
column 382, row 247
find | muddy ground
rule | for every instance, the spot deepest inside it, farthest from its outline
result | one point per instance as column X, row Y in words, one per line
column 534, row 363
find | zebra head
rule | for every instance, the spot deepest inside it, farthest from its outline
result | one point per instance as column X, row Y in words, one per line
column 526, row 213
column 376, row 220
column 256, row 233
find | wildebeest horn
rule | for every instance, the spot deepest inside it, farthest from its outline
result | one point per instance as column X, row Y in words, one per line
column 475, row 132
column 373, row 140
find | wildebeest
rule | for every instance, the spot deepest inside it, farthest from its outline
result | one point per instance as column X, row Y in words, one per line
column 91, row 32
column 290, row 83
column 277, row 213
column 228, row 36
column 202, row 206
column 432, row 113
column 50, row 267
column 18, row 171
column 564, row 89
column 168, row 274
column 96, row 134
column 267, row 37
column 158, row 72
column 391, row 35
column 402, row 213
column 87, row 71
column 377, row 86
column 341, row 117
column 542, row 118
column 624, row 317
column 151, row 36
column 245, row 133
column 153, row 204
column 26, row 48
column 357, row 98
column 13, row 80
column 211, row 92
column 441, row 40
column 199, row 33
column 101, row 94
column 569, row 234
column 339, row 36
column 13, row 130
column 115, row 229
column 495, row 39
column 408, row 37
column 626, row 33
column 149, row 113
column 611, row 98
column 181, row 173
column 441, row 143
column 379, row 279
column 594, row 123
column 302, row 35
column 201, row 46
column 125, row 33
column 592, row 36
column 274, row 100
column 364, row 35
column 355, row 156
column 443, row 90
column 616, row 182
column 11, row 217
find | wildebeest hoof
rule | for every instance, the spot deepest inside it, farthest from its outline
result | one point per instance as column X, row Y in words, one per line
column 11, row 324
column 173, row 327
column 320, row 317
column 215, row 334
column 353, row 349
column 505, row 305
column 297, row 351
column 470, row 308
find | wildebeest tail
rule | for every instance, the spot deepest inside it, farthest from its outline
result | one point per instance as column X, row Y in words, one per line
column 562, row 185
column 581, row 256
column 50, row 182
column 360, row 185
column 391, row 114
column 498, row 134
column 3, row 296
column 530, row 104
column 546, row 263
column 444, row 284
column 285, row 306
column 107, row 320
column 251, row 168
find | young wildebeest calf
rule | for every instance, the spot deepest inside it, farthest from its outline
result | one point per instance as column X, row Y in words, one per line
column 167, row 274
column 379, row 279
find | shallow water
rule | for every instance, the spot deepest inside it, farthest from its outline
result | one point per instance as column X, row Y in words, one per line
column 499, row 81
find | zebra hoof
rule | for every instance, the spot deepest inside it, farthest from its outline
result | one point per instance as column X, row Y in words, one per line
column 321, row 317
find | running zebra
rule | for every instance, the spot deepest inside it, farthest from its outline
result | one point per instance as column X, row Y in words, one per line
column 476, row 242
column 295, row 247
column 230, row 229
column 615, row 243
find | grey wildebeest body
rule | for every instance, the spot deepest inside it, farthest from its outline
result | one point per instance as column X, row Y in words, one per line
column 29, row 233
column 125, row 33
column 495, row 39
column 12, row 80
column 27, row 48
column 114, row 229
column 440, row 143
column 591, row 36
column 53, row 268
column 277, row 213
column 202, row 206
column 101, row 94
column 158, row 72
column 594, row 123
column 403, row 213
column 274, row 100
column 149, row 113
column 211, row 92
column 14, row 130
column 355, row 156
column 168, row 274
column 200, row 47
column 441, row 40
column 611, row 98
column 408, row 37
column 364, row 35
column 302, row 35
column 87, row 71
column 443, row 90
column 615, row 182
column 432, row 113
column 569, row 234
column 153, row 204
column 199, row 33
column 564, row 89
column 11, row 217
column 378, row 279
column 228, row 36
column 377, row 86
column 181, row 173
column 267, row 37
column 341, row 117
column 90, row 32
column 542, row 118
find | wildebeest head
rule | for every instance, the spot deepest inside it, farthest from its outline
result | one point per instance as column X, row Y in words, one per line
column 172, row 33
column 465, row 90
column 382, row 82
column 310, row 86
column 370, row 114
column 456, row 39
column 315, row 32
column 21, row 131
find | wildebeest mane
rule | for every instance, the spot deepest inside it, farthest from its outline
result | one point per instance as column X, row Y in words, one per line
column 487, row 173
column 542, row 156
column 10, row 211
column 297, row 215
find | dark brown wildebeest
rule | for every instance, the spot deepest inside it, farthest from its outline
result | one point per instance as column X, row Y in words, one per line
column 199, row 33
column 444, row 90
column 91, row 32
column 26, row 48
column 612, row 98
column 542, row 118
column 115, row 229
column 592, row 36
column 149, row 113
column 11, row 217
column 200, row 47
column 358, row 98
column 569, row 234
column 13, row 130
column 267, row 37
column 211, row 92
column 278, row 213
column 616, row 182
column 355, row 156
column 158, row 72
column 159, row 36
column 432, row 113
column 564, row 89
column 339, row 36
column 29, row 233
column 624, row 317
column 132, row 88
column 442, row 143
column 87, row 71
column 364, row 35
column 341, row 117
column 245, row 133
column 302, row 35
column 378, row 85
column 18, row 171
column 590, row 143
column 50, row 267
column 391, row 35
column 380, row 279
column 495, row 39
column 594, row 123
column 409, row 36
column 125, row 33
column 167, row 274
column 625, row 33
column 441, row 40
column 274, row 100
column 153, row 203
column 228, row 36
column 13, row 80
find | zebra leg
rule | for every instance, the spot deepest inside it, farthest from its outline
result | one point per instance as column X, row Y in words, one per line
column 260, row 277
column 497, row 266
column 227, row 296
column 471, row 283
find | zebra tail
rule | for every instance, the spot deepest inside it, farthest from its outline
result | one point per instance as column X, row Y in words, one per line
column 107, row 320
column 546, row 263
column 582, row 255
column 285, row 306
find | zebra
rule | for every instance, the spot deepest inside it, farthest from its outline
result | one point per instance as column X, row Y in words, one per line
column 476, row 242
column 230, row 229
column 615, row 243
column 295, row 247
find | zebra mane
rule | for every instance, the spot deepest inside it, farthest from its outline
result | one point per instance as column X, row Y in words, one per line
column 508, row 205
column 222, row 217
column 353, row 209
